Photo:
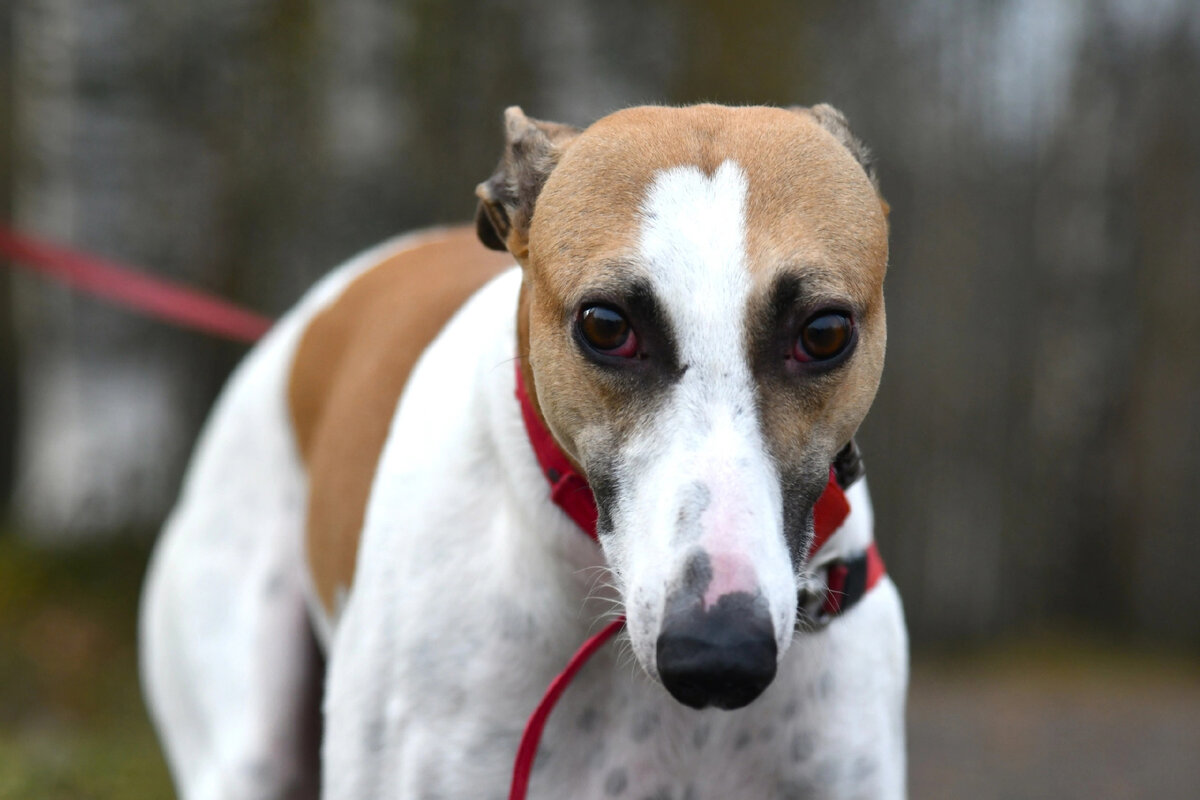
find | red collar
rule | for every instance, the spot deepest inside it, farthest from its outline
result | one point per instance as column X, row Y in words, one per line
column 568, row 489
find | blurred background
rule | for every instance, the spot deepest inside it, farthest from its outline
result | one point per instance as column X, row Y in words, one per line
column 1034, row 452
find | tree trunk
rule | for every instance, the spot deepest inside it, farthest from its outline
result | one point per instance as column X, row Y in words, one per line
column 8, row 366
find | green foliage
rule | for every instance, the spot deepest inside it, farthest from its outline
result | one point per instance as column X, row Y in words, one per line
column 72, row 722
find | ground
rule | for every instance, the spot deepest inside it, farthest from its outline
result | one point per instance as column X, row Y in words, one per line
column 1048, row 717
column 72, row 723
column 1036, row 717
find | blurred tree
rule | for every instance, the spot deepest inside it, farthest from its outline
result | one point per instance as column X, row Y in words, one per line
column 8, row 368
column 118, row 151
column 1039, row 398
column 1157, row 450
column 756, row 51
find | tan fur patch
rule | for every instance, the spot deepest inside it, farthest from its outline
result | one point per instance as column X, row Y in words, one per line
column 349, row 371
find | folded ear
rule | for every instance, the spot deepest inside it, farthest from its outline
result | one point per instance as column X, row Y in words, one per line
column 532, row 149
column 835, row 122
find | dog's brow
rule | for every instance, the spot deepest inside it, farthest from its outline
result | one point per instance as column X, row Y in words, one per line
column 806, row 287
column 620, row 267
column 607, row 276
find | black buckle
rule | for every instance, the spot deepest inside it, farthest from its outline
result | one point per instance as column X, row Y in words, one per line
column 848, row 465
column 845, row 585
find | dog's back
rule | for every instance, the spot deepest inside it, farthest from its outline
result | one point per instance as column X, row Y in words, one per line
column 287, row 456
column 348, row 372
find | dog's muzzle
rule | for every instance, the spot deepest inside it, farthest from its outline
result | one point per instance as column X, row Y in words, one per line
column 722, row 656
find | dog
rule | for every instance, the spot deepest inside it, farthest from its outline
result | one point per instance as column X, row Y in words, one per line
column 668, row 326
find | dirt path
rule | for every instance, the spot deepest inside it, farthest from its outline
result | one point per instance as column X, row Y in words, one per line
column 1077, row 724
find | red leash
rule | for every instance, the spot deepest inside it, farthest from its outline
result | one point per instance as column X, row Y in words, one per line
column 533, row 729
column 188, row 308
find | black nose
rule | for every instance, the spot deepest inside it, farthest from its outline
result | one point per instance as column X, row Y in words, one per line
column 722, row 656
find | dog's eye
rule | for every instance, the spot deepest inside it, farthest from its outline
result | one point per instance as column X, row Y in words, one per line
column 607, row 331
column 823, row 336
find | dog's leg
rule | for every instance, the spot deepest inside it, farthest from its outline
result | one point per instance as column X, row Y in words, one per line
column 230, row 668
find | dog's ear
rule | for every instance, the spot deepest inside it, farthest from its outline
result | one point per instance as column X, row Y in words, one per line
column 532, row 149
column 835, row 122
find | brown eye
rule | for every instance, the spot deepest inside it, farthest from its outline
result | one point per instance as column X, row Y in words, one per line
column 607, row 331
column 823, row 336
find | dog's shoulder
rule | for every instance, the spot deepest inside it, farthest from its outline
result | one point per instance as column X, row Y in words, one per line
column 350, row 368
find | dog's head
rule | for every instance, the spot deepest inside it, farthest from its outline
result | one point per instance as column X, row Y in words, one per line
column 702, row 329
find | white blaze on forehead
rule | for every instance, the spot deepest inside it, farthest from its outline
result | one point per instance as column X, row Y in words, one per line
column 693, row 241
